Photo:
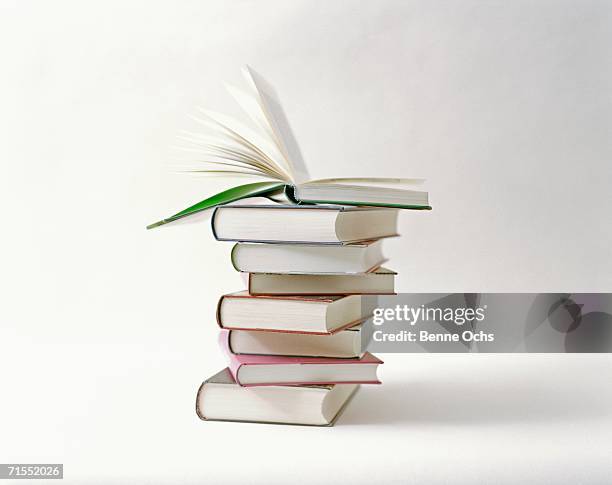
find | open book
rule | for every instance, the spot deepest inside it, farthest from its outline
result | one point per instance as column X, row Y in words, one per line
column 268, row 150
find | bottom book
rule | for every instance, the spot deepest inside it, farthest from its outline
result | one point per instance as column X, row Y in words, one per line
column 220, row 398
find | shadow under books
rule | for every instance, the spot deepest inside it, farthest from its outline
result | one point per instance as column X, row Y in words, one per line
column 509, row 400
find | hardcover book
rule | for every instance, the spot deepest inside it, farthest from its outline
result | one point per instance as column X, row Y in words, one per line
column 354, row 258
column 303, row 314
column 344, row 344
column 220, row 398
column 316, row 224
column 380, row 281
column 267, row 370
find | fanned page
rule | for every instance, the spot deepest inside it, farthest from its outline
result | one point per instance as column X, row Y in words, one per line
column 256, row 147
column 270, row 150
column 279, row 125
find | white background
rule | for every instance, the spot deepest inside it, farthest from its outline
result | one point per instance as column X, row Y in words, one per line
column 107, row 329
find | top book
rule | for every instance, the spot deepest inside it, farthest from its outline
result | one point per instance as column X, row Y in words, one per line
column 268, row 149
column 294, row 223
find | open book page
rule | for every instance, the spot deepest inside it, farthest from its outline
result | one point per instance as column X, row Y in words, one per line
column 250, row 105
column 279, row 124
column 222, row 154
column 248, row 139
column 270, row 150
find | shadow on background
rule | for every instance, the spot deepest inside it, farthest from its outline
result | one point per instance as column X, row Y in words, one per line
column 519, row 397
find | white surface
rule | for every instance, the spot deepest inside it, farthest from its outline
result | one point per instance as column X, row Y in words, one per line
column 125, row 411
column 107, row 329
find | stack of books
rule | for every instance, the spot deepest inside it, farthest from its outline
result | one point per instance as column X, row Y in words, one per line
column 293, row 337
column 311, row 251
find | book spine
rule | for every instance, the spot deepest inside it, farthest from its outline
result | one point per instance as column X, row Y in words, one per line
column 290, row 193
column 218, row 312
column 212, row 223
column 234, row 362
column 224, row 341
column 249, row 283
column 232, row 257
column 234, row 367
column 199, row 412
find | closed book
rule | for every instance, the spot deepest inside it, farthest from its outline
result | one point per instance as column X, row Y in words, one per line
column 308, row 258
column 294, row 223
column 380, row 281
column 220, row 398
column 344, row 344
column 302, row 314
column 268, row 370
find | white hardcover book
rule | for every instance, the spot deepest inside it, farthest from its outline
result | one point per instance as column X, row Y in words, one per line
column 308, row 258
column 294, row 223
column 380, row 281
column 220, row 398
column 345, row 344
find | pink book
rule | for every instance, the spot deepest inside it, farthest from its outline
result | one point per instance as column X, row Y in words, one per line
column 273, row 370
